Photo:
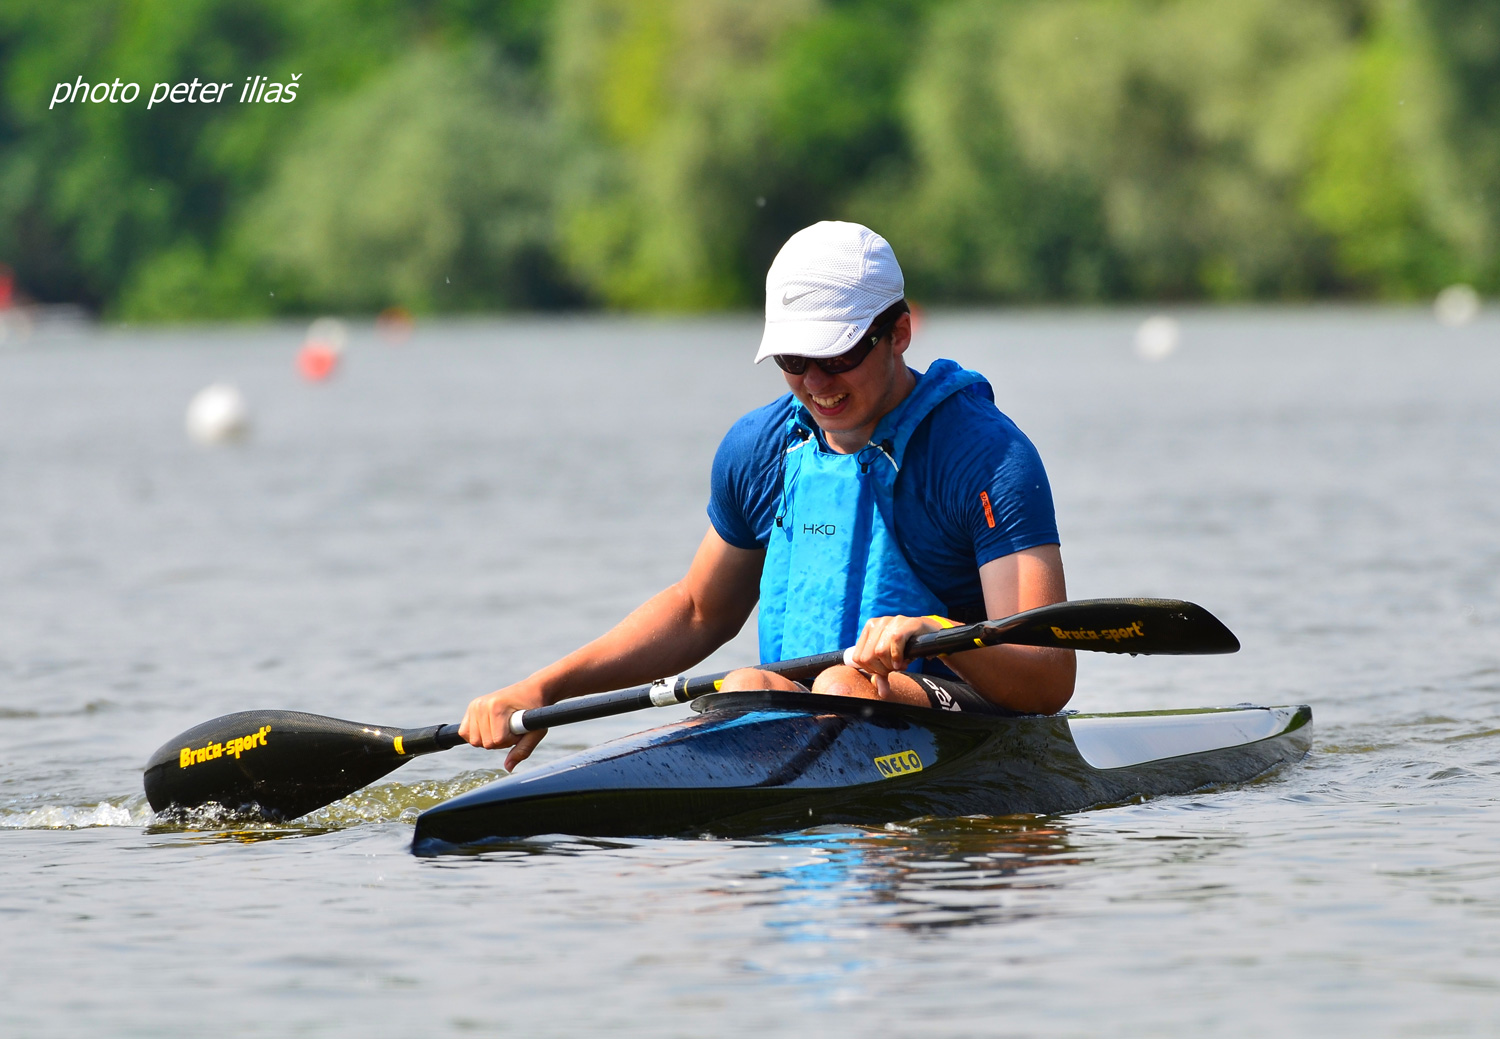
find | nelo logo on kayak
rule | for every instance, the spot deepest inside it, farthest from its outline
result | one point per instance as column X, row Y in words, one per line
column 898, row 764
column 235, row 747
column 1102, row 635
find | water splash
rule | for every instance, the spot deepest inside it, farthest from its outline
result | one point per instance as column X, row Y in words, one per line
column 386, row 803
column 121, row 812
column 397, row 802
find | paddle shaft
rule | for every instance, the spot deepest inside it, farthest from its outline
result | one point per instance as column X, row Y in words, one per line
column 661, row 693
column 1107, row 625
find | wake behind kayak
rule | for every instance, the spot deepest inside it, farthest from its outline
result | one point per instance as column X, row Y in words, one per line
column 767, row 762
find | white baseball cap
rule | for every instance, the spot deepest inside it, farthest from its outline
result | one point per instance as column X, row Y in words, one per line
column 825, row 287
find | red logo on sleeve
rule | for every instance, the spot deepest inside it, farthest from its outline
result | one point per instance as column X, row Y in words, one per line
column 989, row 515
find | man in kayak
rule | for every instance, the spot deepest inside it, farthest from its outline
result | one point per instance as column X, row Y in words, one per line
column 870, row 504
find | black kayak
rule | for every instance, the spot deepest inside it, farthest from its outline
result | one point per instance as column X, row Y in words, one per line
column 766, row 762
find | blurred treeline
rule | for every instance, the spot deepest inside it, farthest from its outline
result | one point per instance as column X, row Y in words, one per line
column 461, row 154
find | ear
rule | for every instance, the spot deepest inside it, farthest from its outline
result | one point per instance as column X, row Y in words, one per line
column 901, row 335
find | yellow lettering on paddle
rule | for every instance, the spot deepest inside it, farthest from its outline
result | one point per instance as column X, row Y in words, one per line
column 1102, row 635
column 235, row 747
column 899, row 764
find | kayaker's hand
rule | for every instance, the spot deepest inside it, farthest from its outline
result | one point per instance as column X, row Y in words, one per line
column 881, row 648
column 487, row 722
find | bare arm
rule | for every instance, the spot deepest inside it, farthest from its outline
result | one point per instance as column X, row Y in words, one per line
column 1023, row 678
column 670, row 632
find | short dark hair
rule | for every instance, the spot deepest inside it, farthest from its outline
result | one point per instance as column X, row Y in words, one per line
column 887, row 318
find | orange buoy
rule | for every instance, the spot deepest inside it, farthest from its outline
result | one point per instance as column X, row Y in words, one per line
column 395, row 325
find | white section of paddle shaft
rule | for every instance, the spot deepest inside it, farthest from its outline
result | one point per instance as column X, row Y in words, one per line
column 849, row 656
column 664, row 691
column 663, row 694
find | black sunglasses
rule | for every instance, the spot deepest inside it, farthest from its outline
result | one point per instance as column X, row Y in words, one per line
column 794, row 364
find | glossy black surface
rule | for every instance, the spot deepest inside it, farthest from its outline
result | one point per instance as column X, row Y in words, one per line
column 285, row 764
column 766, row 762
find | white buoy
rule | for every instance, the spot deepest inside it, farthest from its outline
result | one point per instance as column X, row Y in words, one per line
column 329, row 332
column 1156, row 339
column 1456, row 305
column 15, row 326
column 217, row 414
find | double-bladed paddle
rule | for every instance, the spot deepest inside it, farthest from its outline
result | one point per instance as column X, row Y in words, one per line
column 282, row 764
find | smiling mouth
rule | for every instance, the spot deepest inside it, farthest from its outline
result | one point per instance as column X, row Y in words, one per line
column 829, row 403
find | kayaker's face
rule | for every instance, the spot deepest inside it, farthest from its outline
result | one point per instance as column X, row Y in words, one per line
column 848, row 405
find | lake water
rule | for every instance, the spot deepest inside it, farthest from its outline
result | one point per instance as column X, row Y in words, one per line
column 448, row 514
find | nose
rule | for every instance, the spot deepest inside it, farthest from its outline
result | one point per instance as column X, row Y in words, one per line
column 816, row 380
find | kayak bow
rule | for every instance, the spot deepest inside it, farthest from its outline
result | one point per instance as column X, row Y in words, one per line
column 766, row 762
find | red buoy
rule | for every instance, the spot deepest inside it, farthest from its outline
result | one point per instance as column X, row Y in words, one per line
column 317, row 361
column 321, row 348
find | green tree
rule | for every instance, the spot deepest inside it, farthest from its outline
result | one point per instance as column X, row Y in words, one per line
column 137, row 211
column 459, row 154
column 704, row 132
column 970, row 217
column 1193, row 121
column 666, row 108
column 1266, row 148
column 1389, row 180
column 430, row 186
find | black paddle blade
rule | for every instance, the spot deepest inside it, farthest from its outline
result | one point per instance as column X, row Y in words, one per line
column 1118, row 626
column 276, row 764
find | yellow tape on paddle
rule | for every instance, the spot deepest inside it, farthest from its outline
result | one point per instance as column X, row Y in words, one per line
column 944, row 622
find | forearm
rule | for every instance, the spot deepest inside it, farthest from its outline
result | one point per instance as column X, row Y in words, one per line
column 665, row 635
column 1022, row 678
column 670, row 632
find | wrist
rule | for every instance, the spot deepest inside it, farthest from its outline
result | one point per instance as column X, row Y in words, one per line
column 541, row 689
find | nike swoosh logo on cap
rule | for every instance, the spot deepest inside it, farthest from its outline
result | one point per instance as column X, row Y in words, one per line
column 787, row 300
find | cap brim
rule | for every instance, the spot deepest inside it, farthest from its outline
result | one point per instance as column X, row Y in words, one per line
column 808, row 338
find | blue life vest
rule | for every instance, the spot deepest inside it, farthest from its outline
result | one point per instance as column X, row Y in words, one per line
column 834, row 559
